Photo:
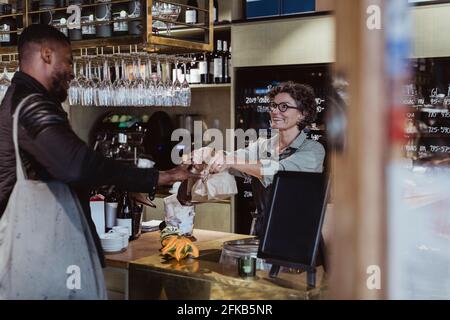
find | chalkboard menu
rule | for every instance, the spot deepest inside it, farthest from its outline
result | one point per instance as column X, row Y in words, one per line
column 251, row 110
column 427, row 98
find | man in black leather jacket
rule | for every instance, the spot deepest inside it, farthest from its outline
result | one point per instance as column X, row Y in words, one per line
column 49, row 148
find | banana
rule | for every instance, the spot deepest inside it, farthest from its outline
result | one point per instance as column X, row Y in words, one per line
column 179, row 247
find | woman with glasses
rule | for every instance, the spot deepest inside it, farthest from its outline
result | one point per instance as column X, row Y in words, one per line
column 292, row 109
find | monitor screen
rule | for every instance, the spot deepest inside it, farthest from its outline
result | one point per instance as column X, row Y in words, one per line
column 294, row 220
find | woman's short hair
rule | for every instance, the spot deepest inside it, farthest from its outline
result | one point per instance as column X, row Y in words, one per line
column 304, row 98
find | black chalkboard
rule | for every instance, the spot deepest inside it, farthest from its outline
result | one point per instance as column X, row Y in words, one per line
column 294, row 222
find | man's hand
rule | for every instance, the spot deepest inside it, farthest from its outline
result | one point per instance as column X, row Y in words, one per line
column 179, row 173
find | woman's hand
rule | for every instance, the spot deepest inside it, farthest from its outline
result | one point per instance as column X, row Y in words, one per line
column 220, row 163
column 202, row 155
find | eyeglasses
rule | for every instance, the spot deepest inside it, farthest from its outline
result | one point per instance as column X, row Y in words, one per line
column 282, row 107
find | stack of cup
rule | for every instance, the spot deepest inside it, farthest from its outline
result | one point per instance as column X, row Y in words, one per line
column 124, row 232
column 111, row 242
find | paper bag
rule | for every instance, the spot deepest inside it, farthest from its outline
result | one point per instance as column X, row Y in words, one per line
column 218, row 186
column 179, row 216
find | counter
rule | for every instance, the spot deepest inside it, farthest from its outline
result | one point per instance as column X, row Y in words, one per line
column 147, row 275
column 148, row 244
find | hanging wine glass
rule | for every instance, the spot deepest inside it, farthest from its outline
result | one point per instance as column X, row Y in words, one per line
column 82, row 83
column 150, row 85
column 87, row 85
column 139, row 83
column 104, row 89
column 116, row 84
column 176, row 87
column 185, row 89
column 96, row 80
column 169, row 93
column 90, row 84
column 132, row 78
column 123, row 89
column 74, row 89
column 160, row 88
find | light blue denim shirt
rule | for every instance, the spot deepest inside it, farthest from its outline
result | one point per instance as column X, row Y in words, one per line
column 304, row 155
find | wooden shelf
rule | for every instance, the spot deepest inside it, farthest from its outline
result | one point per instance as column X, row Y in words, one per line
column 210, row 86
column 196, row 31
column 148, row 40
column 106, row 108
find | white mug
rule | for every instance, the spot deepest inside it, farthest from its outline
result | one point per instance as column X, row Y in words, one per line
column 122, row 231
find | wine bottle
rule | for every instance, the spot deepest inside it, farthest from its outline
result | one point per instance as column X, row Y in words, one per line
column 191, row 13
column 218, row 63
column 111, row 208
column 120, row 14
column 59, row 18
column 210, row 65
column 203, row 67
column 8, row 24
column 216, row 11
column 195, row 72
column 225, row 78
column 124, row 218
column 230, row 65
column 136, row 217
column 103, row 14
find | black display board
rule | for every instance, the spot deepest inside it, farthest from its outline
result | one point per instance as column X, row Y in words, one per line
column 427, row 98
column 294, row 222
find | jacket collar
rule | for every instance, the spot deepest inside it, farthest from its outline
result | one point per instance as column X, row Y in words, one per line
column 23, row 79
column 297, row 143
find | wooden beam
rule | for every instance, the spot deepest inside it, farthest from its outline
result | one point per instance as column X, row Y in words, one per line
column 359, row 232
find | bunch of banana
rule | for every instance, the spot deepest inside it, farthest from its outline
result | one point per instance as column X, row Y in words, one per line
column 176, row 245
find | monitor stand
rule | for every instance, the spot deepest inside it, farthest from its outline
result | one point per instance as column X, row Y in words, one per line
column 311, row 271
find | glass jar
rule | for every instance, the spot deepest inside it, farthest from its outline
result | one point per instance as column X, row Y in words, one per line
column 232, row 251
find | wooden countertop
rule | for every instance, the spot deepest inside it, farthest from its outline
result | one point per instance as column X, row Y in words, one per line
column 149, row 244
column 206, row 277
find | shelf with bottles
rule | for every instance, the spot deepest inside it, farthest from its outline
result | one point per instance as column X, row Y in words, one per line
column 210, row 70
column 111, row 22
column 210, row 86
column 224, row 26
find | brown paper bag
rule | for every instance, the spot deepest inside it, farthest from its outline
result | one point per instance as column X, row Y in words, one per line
column 216, row 187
